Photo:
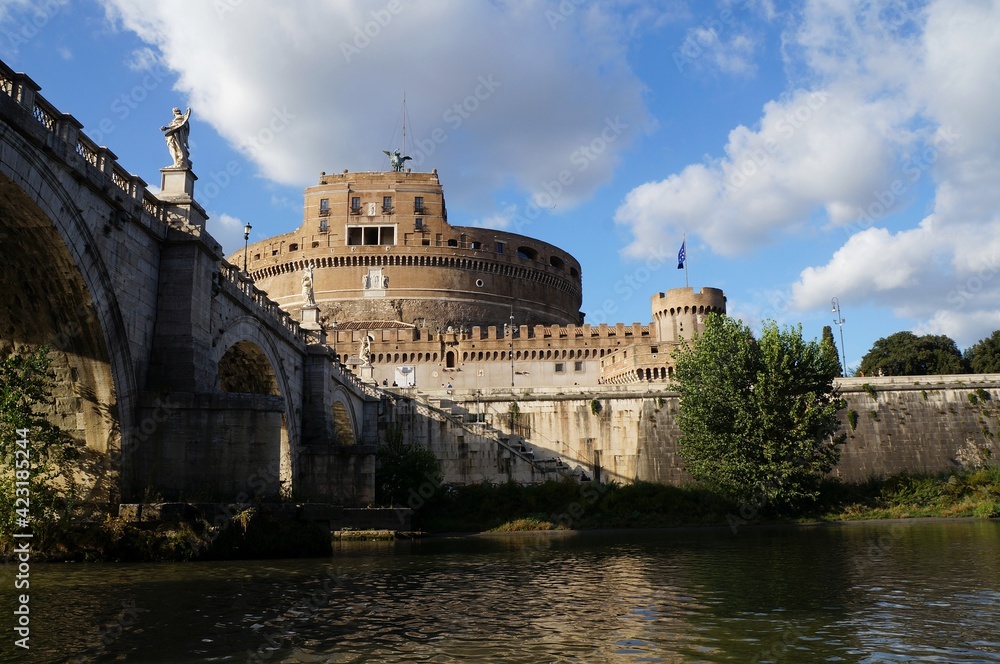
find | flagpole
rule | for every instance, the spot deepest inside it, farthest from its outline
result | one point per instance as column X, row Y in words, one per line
column 684, row 244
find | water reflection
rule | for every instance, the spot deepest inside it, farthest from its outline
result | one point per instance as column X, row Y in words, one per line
column 872, row 593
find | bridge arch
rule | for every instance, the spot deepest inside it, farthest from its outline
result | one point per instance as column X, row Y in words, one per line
column 58, row 292
column 345, row 416
column 246, row 340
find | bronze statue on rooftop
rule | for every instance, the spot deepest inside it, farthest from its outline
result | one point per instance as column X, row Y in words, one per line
column 396, row 160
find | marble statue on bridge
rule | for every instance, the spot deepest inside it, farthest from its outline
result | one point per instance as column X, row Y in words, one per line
column 177, row 138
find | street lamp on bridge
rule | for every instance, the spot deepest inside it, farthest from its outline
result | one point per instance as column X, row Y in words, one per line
column 246, row 243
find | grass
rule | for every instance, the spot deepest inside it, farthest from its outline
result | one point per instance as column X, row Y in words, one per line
column 554, row 505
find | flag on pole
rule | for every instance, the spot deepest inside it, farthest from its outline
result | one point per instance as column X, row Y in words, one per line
column 681, row 256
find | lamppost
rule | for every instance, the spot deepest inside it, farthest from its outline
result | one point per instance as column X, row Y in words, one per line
column 246, row 243
column 839, row 320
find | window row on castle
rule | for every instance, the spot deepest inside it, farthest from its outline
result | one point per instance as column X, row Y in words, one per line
column 677, row 311
column 451, row 262
column 372, row 208
column 544, row 354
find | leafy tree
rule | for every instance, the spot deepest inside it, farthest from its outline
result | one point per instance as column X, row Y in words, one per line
column 45, row 456
column 829, row 346
column 906, row 354
column 758, row 418
column 404, row 468
column 984, row 355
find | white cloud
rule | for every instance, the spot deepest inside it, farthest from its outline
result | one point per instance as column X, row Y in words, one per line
column 227, row 231
column 496, row 95
column 911, row 108
column 813, row 149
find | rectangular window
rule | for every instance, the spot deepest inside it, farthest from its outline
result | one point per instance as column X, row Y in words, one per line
column 499, row 247
column 324, row 226
column 426, row 242
column 578, row 366
column 560, row 367
column 387, row 204
column 419, row 222
column 355, row 205
column 418, row 204
column 324, row 207
column 370, row 236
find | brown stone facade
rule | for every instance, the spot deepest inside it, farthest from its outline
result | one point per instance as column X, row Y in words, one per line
column 382, row 249
column 444, row 305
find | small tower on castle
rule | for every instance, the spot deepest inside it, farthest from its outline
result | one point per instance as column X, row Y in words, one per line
column 680, row 312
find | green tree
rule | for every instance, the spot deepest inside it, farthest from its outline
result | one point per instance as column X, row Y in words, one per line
column 758, row 418
column 830, row 351
column 984, row 355
column 906, row 354
column 404, row 468
column 45, row 457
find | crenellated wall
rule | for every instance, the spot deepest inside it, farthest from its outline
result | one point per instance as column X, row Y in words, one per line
column 628, row 432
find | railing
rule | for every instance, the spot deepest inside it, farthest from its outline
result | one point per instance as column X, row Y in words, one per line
column 64, row 128
column 258, row 299
column 484, row 430
column 346, row 376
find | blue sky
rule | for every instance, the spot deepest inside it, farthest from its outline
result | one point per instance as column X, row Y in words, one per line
column 808, row 150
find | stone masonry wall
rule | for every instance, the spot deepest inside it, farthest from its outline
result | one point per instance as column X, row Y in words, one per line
column 628, row 433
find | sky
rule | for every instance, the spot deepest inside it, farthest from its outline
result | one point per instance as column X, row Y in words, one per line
column 804, row 151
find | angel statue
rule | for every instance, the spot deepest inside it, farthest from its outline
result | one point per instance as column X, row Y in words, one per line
column 396, row 160
column 177, row 138
column 308, row 294
column 365, row 353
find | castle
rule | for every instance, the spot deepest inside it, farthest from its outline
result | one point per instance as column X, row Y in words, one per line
column 405, row 298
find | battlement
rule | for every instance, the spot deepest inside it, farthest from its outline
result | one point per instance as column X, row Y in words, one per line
column 680, row 312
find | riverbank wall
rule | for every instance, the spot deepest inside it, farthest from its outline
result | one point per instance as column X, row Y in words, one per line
column 626, row 433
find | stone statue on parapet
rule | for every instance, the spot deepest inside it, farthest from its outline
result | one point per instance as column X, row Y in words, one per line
column 308, row 294
column 177, row 138
column 396, row 160
column 365, row 353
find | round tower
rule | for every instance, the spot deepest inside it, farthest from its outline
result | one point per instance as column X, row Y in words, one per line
column 381, row 250
column 680, row 312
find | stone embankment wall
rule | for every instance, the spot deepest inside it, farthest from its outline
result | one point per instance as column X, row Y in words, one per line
column 627, row 433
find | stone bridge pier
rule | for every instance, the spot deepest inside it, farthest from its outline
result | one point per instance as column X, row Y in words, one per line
column 185, row 381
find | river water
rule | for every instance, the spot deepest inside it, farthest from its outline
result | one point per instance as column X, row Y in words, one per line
column 924, row 591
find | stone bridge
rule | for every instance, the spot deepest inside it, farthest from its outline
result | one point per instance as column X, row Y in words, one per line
column 183, row 378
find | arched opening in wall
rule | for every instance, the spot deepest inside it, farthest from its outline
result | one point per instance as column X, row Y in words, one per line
column 527, row 252
column 343, row 429
column 557, row 262
column 244, row 369
column 45, row 301
column 449, row 359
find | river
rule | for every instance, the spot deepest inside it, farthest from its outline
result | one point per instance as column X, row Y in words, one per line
column 926, row 591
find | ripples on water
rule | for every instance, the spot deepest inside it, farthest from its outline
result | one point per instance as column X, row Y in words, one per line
column 860, row 593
